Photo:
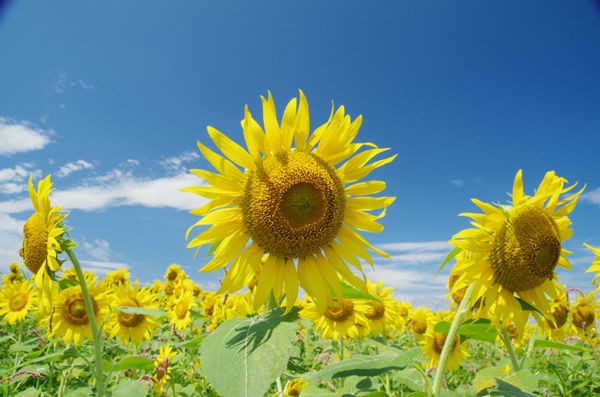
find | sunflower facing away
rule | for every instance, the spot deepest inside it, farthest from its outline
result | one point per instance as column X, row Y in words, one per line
column 42, row 235
column 595, row 267
column 292, row 199
column 513, row 251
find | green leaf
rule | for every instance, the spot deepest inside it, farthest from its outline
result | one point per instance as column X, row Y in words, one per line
column 29, row 392
column 246, row 355
column 67, row 244
column 526, row 306
column 365, row 365
column 486, row 378
column 141, row 310
column 129, row 387
column 480, row 329
column 505, row 389
column 134, row 362
column 190, row 344
column 350, row 292
column 67, row 283
column 449, row 257
column 80, row 392
column 555, row 345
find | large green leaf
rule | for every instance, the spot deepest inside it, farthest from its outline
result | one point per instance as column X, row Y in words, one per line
column 244, row 356
column 349, row 292
column 134, row 362
column 448, row 258
column 130, row 387
column 505, row 389
column 480, row 329
column 366, row 365
column 555, row 345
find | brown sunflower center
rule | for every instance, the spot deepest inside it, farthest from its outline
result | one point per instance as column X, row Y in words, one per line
column 339, row 310
column 18, row 301
column 560, row 313
column 377, row 311
column 583, row 315
column 293, row 204
column 438, row 342
column 130, row 320
column 73, row 309
column 419, row 324
column 525, row 250
column 35, row 242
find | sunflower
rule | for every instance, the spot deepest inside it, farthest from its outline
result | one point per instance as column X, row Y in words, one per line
column 595, row 265
column 42, row 236
column 422, row 319
column 405, row 312
column 132, row 326
column 162, row 368
column 513, row 251
column 71, row 274
column 180, row 310
column 69, row 320
column 432, row 345
column 17, row 299
column 382, row 314
column 559, row 309
column 294, row 387
column 116, row 278
column 342, row 318
column 13, row 275
column 583, row 314
column 298, row 198
column 175, row 273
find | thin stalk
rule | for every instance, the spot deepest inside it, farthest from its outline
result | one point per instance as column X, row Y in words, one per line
column 510, row 350
column 341, row 346
column 463, row 308
column 89, row 308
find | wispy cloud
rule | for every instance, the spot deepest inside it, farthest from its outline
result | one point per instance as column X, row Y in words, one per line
column 69, row 168
column 592, row 196
column 14, row 180
column 63, row 81
column 100, row 268
column 10, row 240
column 118, row 188
column 18, row 137
column 98, row 249
column 176, row 163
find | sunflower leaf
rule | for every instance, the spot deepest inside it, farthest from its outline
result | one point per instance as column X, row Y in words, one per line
column 555, row 345
column 141, row 310
column 449, row 257
column 366, row 365
column 478, row 329
column 527, row 306
column 248, row 354
column 134, row 362
column 349, row 292
column 66, row 283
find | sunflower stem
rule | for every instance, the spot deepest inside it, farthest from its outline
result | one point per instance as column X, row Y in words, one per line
column 341, row 346
column 510, row 349
column 89, row 308
column 462, row 310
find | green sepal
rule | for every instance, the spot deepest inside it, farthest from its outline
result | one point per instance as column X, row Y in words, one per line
column 451, row 255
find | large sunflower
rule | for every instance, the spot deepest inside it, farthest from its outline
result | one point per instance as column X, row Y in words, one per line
column 42, row 235
column 595, row 267
column 297, row 198
column 69, row 320
column 513, row 251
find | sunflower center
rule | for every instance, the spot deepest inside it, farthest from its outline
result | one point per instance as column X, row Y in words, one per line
column 18, row 301
column 293, row 204
column 377, row 311
column 583, row 316
column 130, row 320
column 419, row 325
column 74, row 312
column 35, row 242
column 560, row 313
column 526, row 250
column 181, row 309
column 339, row 310
column 438, row 342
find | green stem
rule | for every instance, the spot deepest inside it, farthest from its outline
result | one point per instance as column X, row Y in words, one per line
column 341, row 346
column 89, row 308
column 510, row 349
column 465, row 306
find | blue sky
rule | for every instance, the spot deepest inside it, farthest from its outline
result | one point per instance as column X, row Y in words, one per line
column 110, row 98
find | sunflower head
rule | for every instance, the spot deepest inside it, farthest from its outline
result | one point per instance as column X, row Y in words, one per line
column 284, row 211
column 511, row 254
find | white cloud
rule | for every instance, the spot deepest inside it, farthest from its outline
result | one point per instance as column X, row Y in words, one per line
column 457, row 182
column 10, row 240
column 176, row 163
column 69, row 168
column 421, row 246
column 21, row 137
column 592, row 196
column 98, row 249
column 100, row 268
column 14, row 180
column 119, row 188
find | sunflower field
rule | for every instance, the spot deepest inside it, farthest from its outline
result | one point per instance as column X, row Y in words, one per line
column 283, row 222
